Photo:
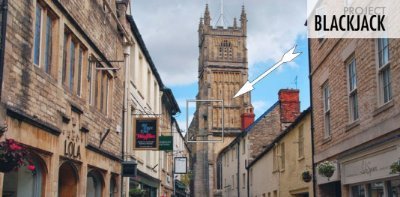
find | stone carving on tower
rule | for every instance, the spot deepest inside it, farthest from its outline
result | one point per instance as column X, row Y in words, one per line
column 223, row 69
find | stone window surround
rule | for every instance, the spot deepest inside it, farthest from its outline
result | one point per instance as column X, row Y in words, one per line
column 43, row 51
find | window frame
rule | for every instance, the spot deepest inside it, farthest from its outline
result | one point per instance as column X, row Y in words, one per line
column 326, row 96
column 383, row 67
column 75, row 62
column 301, row 142
column 352, row 86
column 282, row 156
column 44, row 49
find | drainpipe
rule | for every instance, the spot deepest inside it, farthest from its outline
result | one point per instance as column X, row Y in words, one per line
column 127, row 50
column 238, row 168
column 312, row 120
column 4, row 10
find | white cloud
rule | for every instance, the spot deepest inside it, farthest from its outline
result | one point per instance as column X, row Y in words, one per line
column 169, row 29
column 260, row 106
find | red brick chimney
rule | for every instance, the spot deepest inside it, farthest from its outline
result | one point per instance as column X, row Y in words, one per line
column 289, row 105
column 247, row 118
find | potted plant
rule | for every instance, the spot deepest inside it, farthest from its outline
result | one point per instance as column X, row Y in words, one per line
column 137, row 192
column 326, row 169
column 13, row 155
column 306, row 176
column 395, row 167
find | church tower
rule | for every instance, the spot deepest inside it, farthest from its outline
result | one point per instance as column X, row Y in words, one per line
column 223, row 69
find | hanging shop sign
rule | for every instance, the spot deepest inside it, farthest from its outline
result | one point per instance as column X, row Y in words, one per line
column 129, row 169
column 180, row 165
column 146, row 132
column 166, row 143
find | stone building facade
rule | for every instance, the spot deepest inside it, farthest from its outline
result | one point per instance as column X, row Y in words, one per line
column 60, row 99
column 222, row 71
column 283, row 161
column 355, row 91
column 147, row 97
column 232, row 162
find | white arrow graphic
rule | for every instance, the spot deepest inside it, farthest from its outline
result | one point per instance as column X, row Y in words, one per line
column 287, row 57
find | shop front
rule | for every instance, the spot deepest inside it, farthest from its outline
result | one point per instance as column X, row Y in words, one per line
column 144, row 183
column 65, row 163
column 180, row 189
column 367, row 172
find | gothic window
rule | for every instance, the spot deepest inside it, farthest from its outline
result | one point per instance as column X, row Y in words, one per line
column 225, row 50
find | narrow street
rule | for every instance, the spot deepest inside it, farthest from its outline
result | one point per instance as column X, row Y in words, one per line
column 184, row 98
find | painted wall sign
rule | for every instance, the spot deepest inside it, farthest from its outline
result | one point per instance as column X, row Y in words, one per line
column 166, row 143
column 146, row 133
column 369, row 167
column 72, row 150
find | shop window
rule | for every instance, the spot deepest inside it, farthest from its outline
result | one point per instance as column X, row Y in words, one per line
column 376, row 189
column 113, row 186
column 394, row 187
column 25, row 182
column 94, row 184
column 358, row 191
column 67, row 180
column 44, row 45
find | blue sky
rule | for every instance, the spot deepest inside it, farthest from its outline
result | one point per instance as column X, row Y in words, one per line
column 169, row 29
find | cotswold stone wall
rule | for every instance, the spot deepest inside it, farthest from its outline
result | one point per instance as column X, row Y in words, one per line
column 29, row 89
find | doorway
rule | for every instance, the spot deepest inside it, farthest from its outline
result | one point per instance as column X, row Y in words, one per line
column 67, row 180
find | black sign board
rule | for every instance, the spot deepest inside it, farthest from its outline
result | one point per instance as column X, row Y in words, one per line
column 146, row 135
column 129, row 169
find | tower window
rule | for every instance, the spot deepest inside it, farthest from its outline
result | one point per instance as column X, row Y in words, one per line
column 225, row 50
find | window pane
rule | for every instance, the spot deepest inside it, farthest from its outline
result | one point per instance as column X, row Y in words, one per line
column 394, row 188
column 72, row 66
column 90, row 81
column 64, row 69
column 36, row 45
column 327, row 125
column 352, row 75
column 383, row 51
column 78, row 91
column 354, row 103
column 326, row 98
column 106, row 94
column 101, row 91
column 376, row 189
column 48, row 51
column 96, row 85
column 386, row 84
column 301, row 141
column 358, row 191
